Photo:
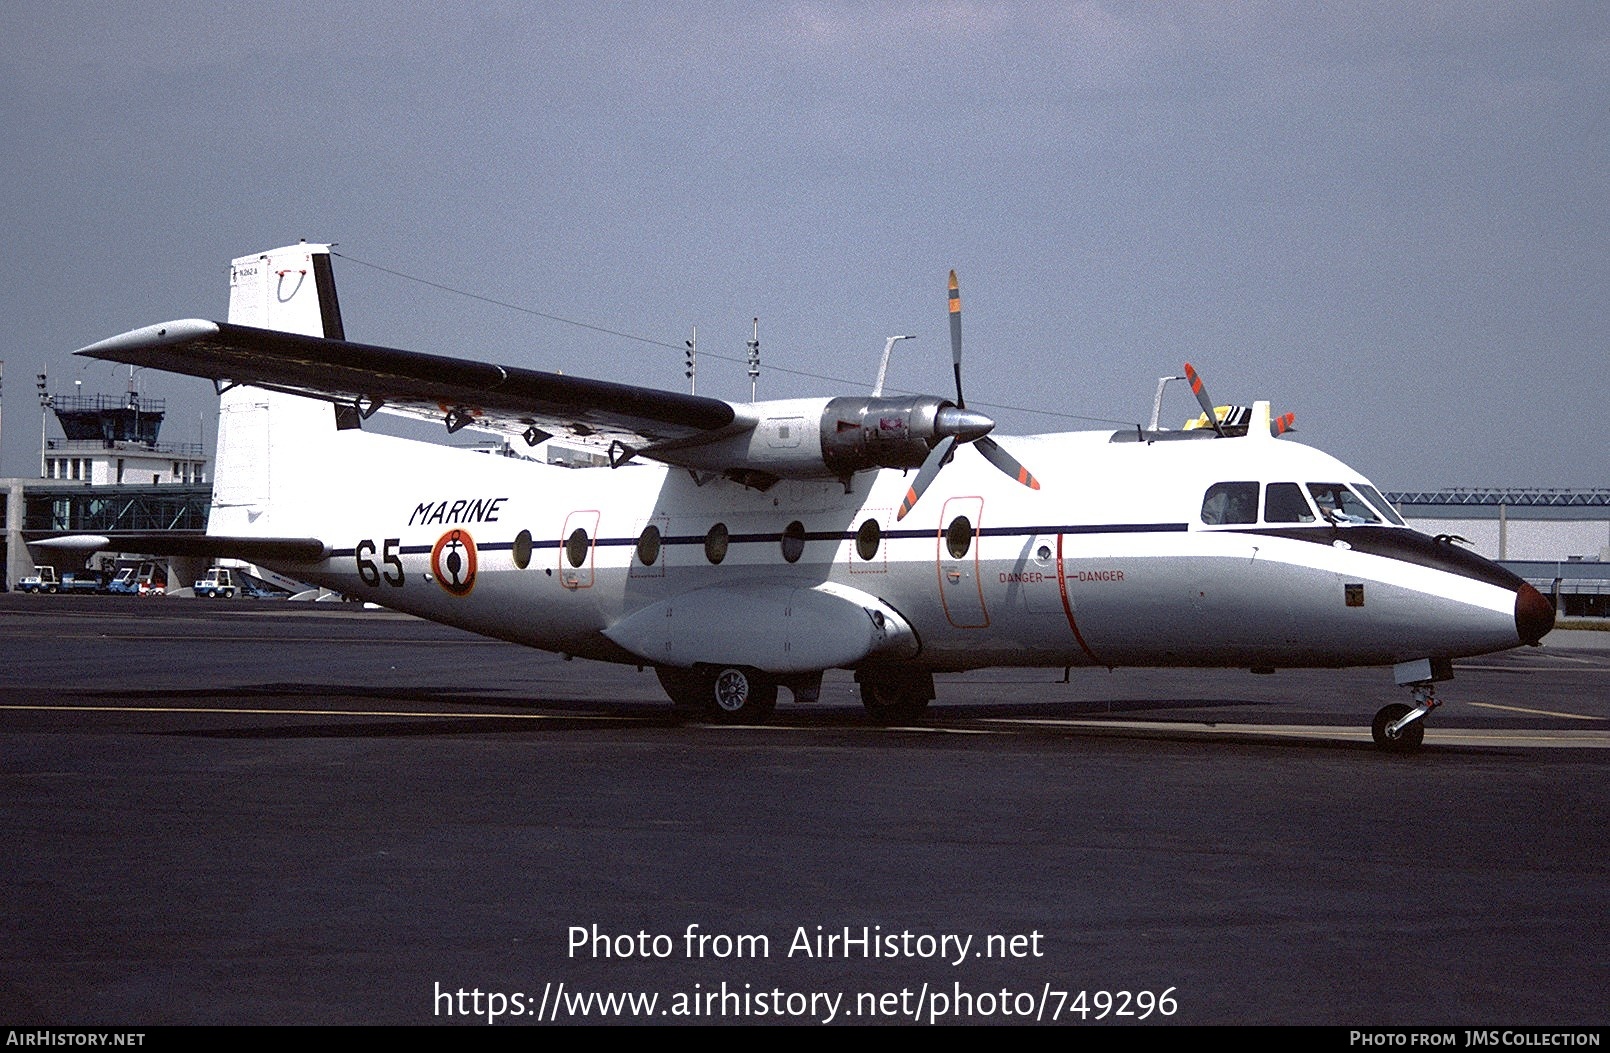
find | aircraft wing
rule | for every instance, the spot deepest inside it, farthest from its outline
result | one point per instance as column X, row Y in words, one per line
column 180, row 543
column 506, row 399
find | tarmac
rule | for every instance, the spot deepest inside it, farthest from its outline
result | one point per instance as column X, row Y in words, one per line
column 255, row 812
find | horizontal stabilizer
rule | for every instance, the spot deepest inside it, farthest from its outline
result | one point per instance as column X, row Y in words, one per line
column 774, row 627
column 180, row 543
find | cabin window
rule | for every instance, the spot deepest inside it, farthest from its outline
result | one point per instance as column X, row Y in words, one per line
column 1340, row 505
column 1382, row 505
column 959, row 536
column 522, row 549
column 867, row 539
column 576, row 546
column 715, row 543
column 1285, row 503
column 1227, row 503
column 648, row 545
column 794, row 541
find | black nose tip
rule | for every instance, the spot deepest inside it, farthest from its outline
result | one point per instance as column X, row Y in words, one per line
column 1534, row 614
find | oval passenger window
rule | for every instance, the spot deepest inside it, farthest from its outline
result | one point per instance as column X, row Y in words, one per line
column 576, row 547
column 715, row 543
column 959, row 536
column 794, row 541
column 867, row 539
column 648, row 545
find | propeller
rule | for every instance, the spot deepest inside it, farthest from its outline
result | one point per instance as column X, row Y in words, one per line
column 958, row 424
column 1278, row 426
column 1199, row 389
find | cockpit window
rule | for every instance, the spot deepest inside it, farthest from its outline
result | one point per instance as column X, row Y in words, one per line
column 1227, row 503
column 1338, row 504
column 1382, row 505
column 1285, row 503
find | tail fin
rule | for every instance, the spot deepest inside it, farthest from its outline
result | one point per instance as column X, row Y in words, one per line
column 269, row 441
column 291, row 290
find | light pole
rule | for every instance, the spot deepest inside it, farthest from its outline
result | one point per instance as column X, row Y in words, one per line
column 45, row 402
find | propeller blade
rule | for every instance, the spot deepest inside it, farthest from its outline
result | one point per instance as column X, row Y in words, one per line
column 1008, row 464
column 956, row 337
column 1199, row 389
column 956, row 425
column 925, row 475
column 1282, row 424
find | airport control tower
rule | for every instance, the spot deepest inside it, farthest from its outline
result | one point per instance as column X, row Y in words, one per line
column 111, row 440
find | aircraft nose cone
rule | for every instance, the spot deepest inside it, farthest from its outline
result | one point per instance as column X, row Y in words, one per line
column 1534, row 615
column 965, row 424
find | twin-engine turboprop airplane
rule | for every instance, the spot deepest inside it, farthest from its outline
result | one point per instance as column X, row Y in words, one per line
column 737, row 548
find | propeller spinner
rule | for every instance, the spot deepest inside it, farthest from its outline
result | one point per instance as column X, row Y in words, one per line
column 958, row 424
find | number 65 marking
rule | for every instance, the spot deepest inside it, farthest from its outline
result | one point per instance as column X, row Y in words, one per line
column 369, row 573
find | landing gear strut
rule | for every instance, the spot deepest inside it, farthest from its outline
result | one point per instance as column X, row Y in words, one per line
column 1402, row 729
column 1399, row 728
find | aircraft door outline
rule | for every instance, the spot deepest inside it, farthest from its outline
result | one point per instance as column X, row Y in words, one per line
column 961, row 587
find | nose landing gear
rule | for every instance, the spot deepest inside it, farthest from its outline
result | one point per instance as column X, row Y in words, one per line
column 1399, row 728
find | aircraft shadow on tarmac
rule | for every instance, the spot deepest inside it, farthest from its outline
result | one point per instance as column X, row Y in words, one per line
column 341, row 710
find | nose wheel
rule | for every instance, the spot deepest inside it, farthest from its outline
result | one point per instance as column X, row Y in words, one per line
column 1401, row 729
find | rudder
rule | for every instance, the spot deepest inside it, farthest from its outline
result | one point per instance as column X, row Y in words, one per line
column 268, row 440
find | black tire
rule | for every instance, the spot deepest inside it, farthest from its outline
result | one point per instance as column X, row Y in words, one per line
column 740, row 696
column 1408, row 740
column 682, row 686
column 893, row 703
column 731, row 695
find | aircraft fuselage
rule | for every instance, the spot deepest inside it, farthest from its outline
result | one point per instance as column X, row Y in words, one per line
column 1110, row 563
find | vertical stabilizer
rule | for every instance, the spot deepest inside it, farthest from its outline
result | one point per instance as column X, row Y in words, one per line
column 269, row 442
column 291, row 290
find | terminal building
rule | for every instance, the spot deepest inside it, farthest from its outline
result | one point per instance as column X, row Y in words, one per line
column 107, row 472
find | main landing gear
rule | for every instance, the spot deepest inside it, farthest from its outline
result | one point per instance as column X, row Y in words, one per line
column 729, row 694
column 1399, row 728
column 893, row 697
column 743, row 695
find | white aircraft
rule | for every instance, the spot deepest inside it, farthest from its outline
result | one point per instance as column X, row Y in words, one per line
column 739, row 548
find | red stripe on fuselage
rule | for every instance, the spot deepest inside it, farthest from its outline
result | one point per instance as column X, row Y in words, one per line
column 1067, row 606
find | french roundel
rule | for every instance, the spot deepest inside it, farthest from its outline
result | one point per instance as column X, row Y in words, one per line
column 452, row 562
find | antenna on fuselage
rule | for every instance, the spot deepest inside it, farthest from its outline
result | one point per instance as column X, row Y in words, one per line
column 883, row 367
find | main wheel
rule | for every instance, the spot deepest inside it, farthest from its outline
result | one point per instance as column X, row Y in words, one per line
column 1406, row 741
column 893, row 703
column 731, row 695
column 682, row 685
column 741, row 696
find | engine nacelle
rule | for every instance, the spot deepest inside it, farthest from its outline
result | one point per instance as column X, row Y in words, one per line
column 831, row 438
column 862, row 433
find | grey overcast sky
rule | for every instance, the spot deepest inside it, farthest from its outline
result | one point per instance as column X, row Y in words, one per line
column 1390, row 218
